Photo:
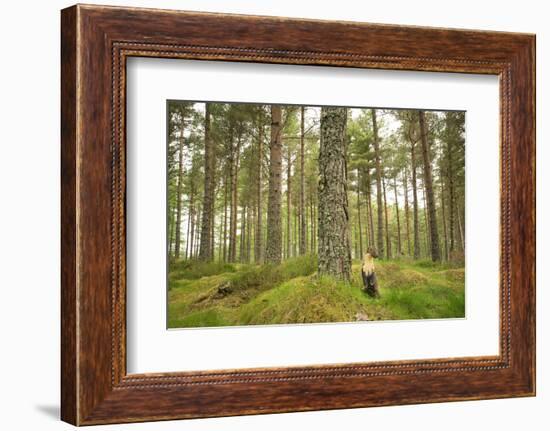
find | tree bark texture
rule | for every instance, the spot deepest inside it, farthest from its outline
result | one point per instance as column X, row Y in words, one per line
column 258, row 243
column 416, row 235
column 205, row 252
column 334, row 238
column 386, row 224
column 407, row 222
column 302, row 186
column 179, row 189
column 399, row 248
column 274, row 228
column 379, row 203
column 434, row 234
column 359, row 215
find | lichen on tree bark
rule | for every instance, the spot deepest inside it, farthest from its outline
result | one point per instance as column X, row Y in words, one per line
column 334, row 242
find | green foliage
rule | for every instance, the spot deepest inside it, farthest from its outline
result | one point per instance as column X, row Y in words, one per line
column 236, row 130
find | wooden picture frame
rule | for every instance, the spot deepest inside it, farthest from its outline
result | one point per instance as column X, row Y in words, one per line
column 95, row 43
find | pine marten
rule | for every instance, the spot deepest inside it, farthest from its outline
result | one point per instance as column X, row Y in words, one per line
column 370, row 284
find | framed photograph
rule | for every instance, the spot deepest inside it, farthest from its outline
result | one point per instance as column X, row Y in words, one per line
column 266, row 215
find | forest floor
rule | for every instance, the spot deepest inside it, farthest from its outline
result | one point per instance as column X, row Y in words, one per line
column 220, row 294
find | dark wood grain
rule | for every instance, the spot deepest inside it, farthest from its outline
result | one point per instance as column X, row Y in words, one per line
column 96, row 41
column 69, row 367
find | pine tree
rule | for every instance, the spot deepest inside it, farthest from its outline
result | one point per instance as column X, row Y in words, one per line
column 274, row 231
column 379, row 202
column 334, row 240
column 434, row 234
column 206, row 252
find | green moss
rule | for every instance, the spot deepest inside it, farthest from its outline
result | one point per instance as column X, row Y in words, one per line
column 426, row 263
column 206, row 318
column 195, row 269
column 267, row 276
column 404, row 277
column 292, row 293
column 431, row 302
column 303, row 300
column 454, row 274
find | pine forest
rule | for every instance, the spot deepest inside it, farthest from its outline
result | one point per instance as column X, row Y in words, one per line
column 279, row 214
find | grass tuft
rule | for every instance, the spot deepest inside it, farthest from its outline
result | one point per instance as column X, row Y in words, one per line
column 195, row 269
column 293, row 293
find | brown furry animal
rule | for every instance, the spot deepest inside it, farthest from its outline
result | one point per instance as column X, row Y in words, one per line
column 370, row 284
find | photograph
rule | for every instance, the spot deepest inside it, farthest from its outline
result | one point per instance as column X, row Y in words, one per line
column 290, row 214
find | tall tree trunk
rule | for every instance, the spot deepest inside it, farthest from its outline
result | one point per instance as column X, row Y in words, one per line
column 191, row 213
column 415, row 204
column 274, row 230
column 315, row 224
column 232, row 210
column 379, row 208
column 171, row 232
column 302, row 187
column 288, row 200
column 450, row 181
column 334, row 237
column 234, row 201
column 192, row 229
column 197, row 232
column 243, row 233
column 258, row 243
column 213, row 223
column 434, row 234
column 249, row 223
column 460, row 229
column 356, row 241
column 225, row 218
column 388, row 243
column 307, row 217
column 407, row 222
column 426, row 220
column 359, row 215
column 220, row 227
column 205, row 252
column 313, row 230
column 316, row 219
column 399, row 249
column 369, row 209
column 296, row 230
column 443, row 216
column 367, row 228
column 179, row 189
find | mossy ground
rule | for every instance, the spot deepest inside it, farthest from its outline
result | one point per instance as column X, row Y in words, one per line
column 215, row 294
